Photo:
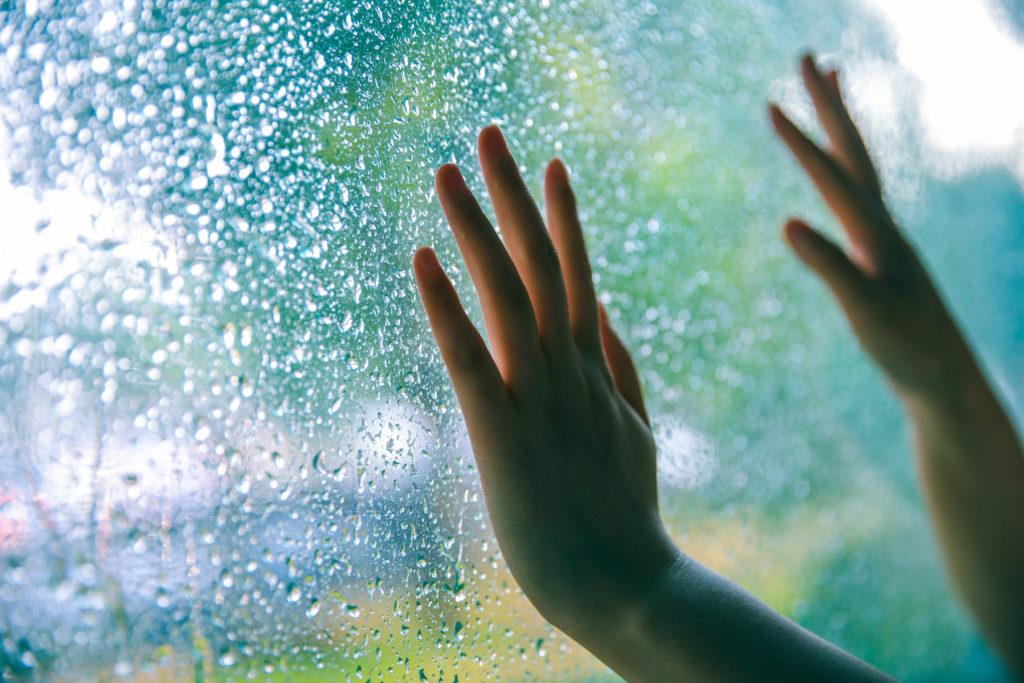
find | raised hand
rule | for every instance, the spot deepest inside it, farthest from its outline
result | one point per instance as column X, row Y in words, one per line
column 566, row 456
column 892, row 305
column 555, row 416
column 968, row 452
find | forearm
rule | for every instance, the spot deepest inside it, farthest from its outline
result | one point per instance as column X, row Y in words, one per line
column 695, row 625
column 972, row 469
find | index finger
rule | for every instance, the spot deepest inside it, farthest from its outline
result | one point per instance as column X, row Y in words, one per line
column 871, row 230
column 477, row 382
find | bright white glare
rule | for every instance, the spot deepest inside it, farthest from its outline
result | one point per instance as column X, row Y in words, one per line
column 390, row 448
column 967, row 64
column 686, row 458
column 132, row 470
column 60, row 228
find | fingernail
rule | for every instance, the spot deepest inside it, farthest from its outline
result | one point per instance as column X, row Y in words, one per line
column 495, row 139
column 451, row 176
column 425, row 261
column 561, row 172
column 833, row 79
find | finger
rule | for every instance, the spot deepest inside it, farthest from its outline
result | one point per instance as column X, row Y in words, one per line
column 526, row 237
column 847, row 282
column 832, row 78
column 508, row 315
column 868, row 225
column 847, row 144
column 478, row 384
column 622, row 367
column 567, row 234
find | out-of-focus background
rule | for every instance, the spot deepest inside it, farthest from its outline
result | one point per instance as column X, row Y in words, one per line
column 228, row 448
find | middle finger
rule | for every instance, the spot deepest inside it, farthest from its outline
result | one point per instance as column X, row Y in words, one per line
column 528, row 241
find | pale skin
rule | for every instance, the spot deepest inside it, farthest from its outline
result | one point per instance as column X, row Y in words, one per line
column 566, row 457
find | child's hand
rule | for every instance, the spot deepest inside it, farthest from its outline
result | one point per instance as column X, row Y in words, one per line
column 555, row 416
column 883, row 288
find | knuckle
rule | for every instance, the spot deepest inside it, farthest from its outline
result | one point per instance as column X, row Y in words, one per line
column 487, row 391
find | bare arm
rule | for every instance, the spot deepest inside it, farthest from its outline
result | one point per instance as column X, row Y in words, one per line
column 566, row 455
column 968, row 453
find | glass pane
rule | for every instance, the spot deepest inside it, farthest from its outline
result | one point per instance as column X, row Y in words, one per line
column 228, row 447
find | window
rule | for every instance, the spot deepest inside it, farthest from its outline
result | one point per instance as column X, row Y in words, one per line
column 228, row 447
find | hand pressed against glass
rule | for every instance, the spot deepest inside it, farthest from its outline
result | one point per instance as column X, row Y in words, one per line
column 556, row 419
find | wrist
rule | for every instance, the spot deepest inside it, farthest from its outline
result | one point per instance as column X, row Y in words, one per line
column 965, row 399
column 959, row 386
column 964, row 423
column 627, row 624
column 621, row 617
column 617, row 604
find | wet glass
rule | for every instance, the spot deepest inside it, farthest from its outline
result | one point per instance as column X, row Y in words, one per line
column 228, row 447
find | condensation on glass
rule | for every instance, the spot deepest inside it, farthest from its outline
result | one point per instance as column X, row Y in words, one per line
column 228, row 447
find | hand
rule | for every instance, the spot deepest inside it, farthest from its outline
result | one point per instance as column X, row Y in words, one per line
column 969, row 455
column 555, row 415
column 885, row 291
